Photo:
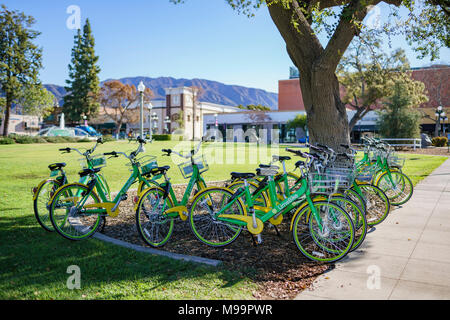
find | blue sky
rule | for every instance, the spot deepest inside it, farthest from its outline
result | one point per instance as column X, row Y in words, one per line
column 199, row 39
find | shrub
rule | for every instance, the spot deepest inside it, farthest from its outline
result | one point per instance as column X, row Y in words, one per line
column 24, row 139
column 55, row 139
column 108, row 138
column 7, row 140
column 162, row 137
column 439, row 141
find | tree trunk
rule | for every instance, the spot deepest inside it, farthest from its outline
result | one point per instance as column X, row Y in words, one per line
column 118, row 127
column 7, row 115
column 327, row 115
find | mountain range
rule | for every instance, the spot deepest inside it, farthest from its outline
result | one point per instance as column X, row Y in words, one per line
column 214, row 92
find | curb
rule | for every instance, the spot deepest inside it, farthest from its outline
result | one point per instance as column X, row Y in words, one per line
column 171, row 255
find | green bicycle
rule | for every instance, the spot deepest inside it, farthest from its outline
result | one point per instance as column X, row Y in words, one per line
column 158, row 206
column 286, row 183
column 322, row 230
column 76, row 209
column 47, row 188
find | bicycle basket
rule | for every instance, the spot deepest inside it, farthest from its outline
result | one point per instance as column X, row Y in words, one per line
column 328, row 182
column 96, row 162
column 145, row 164
column 187, row 168
column 396, row 161
column 365, row 173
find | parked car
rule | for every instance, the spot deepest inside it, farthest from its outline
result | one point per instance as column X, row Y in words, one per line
column 90, row 131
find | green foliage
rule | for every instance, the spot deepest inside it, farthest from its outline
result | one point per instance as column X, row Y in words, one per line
column 20, row 58
column 7, row 140
column 108, row 138
column 439, row 141
column 399, row 119
column 83, row 84
column 429, row 28
column 253, row 107
column 36, row 100
column 162, row 137
column 300, row 121
column 369, row 74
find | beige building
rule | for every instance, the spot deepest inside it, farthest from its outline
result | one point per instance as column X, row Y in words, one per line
column 22, row 124
column 179, row 113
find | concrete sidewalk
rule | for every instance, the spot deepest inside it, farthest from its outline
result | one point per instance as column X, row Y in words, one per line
column 406, row 257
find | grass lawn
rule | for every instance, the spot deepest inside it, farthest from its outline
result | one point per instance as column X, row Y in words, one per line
column 33, row 263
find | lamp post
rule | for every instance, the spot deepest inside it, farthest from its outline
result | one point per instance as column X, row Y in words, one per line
column 216, row 124
column 443, row 124
column 85, row 120
column 141, row 89
column 150, row 108
column 166, row 123
column 440, row 114
column 154, row 120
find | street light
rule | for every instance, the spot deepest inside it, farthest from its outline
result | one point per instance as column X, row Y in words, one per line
column 150, row 108
column 166, row 122
column 141, row 89
column 440, row 114
column 155, row 120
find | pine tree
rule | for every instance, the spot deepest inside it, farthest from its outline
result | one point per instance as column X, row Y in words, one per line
column 83, row 85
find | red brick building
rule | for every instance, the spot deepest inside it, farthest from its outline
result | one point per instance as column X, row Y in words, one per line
column 435, row 78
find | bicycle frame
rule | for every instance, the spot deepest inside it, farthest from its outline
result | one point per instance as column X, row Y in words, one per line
column 280, row 207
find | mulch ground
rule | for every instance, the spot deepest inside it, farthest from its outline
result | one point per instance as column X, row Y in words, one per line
column 276, row 265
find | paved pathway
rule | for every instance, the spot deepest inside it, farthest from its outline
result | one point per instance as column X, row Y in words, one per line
column 406, row 257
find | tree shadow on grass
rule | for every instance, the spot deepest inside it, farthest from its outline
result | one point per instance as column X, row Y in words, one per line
column 33, row 260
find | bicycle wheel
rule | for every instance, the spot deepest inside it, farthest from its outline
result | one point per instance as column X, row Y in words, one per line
column 356, row 198
column 203, row 217
column 154, row 227
column 358, row 218
column 327, row 241
column 399, row 190
column 376, row 202
column 68, row 216
column 44, row 193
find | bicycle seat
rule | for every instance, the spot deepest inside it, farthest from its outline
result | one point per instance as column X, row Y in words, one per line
column 300, row 163
column 266, row 172
column 281, row 158
column 267, row 166
column 238, row 175
column 86, row 172
column 56, row 166
column 159, row 170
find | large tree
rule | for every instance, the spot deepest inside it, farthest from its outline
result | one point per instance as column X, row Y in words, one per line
column 119, row 100
column 83, row 83
column 299, row 23
column 368, row 74
column 20, row 58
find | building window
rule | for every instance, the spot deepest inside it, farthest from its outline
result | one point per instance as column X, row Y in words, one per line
column 175, row 100
column 188, row 118
column 197, row 119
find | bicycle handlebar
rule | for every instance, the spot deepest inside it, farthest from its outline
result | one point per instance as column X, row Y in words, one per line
column 192, row 153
